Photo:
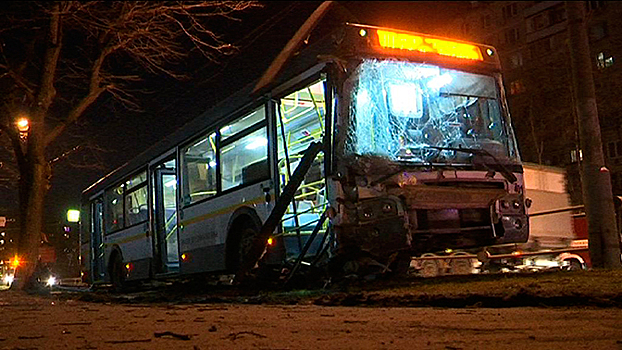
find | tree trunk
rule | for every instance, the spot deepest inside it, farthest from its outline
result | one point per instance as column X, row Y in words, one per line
column 604, row 239
column 33, row 189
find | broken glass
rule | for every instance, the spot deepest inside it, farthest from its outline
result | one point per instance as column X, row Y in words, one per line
column 409, row 112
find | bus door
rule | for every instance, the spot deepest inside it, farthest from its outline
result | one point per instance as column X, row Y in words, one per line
column 166, row 251
column 97, row 240
column 300, row 118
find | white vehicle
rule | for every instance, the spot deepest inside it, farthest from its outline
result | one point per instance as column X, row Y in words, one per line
column 417, row 153
column 557, row 237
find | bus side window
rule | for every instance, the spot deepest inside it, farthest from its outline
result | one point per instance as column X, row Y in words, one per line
column 136, row 206
column 245, row 160
column 114, row 210
column 135, row 199
column 244, row 150
column 199, row 169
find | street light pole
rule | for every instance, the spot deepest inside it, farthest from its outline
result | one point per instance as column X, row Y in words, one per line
column 604, row 239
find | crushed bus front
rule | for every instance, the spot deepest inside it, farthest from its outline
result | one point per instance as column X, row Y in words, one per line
column 425, row 158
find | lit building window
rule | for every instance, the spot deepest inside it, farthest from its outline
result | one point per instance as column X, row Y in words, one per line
column 603, row 61
column 576, row 156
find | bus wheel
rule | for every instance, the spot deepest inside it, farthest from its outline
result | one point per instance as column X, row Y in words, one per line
column 574, row 265
column 117, row 274
column 241, row 245
column 247, row 239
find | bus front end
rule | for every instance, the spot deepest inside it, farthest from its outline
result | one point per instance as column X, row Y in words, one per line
column 425, row 156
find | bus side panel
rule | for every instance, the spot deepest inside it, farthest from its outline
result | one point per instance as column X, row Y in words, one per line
column 204, row 227
column 85, row 245
column 85, row 263
column 135, row 244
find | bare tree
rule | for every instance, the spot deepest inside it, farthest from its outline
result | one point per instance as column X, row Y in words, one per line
column 58, row 58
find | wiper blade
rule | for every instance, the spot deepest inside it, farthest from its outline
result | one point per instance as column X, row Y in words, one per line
column 507, row 174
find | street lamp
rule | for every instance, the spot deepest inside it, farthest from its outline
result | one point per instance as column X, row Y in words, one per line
column 73, row 215
column 23, row 125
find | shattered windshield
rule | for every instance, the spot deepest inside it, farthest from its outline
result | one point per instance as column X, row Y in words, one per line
column 413, row 112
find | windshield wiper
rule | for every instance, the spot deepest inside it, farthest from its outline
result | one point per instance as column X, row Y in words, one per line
column 507, row 174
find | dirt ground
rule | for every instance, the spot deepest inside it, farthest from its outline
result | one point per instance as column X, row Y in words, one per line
column 590, row 319
column 45, row 323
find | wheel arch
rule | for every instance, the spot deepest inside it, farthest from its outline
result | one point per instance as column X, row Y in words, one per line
column 241, row 218
column 115, row 251
column 569, row 257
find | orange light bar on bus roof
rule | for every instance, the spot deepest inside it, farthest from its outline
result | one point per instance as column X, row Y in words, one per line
column 404, row 41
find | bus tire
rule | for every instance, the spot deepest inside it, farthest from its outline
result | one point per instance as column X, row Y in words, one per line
column 574, row 265
column 241, row 239
column 117, row 273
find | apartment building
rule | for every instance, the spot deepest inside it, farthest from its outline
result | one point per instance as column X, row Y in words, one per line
column 532, row 41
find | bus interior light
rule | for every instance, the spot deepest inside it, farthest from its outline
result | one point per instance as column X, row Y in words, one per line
column 256, row 143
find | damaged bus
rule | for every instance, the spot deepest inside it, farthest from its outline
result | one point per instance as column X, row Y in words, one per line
column 369, row 142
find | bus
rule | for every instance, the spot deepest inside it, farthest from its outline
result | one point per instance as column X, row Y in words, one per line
column 417, row 154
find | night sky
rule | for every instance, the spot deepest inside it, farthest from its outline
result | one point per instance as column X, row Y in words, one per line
column 260, row 36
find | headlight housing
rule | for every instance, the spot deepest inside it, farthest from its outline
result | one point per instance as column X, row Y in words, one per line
column 378, row 208
column 512, row 204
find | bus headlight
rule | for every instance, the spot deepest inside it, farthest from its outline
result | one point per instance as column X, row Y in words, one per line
column 51, row 281
column 8, row 279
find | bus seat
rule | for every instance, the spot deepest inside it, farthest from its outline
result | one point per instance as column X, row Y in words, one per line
column 255, row 171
